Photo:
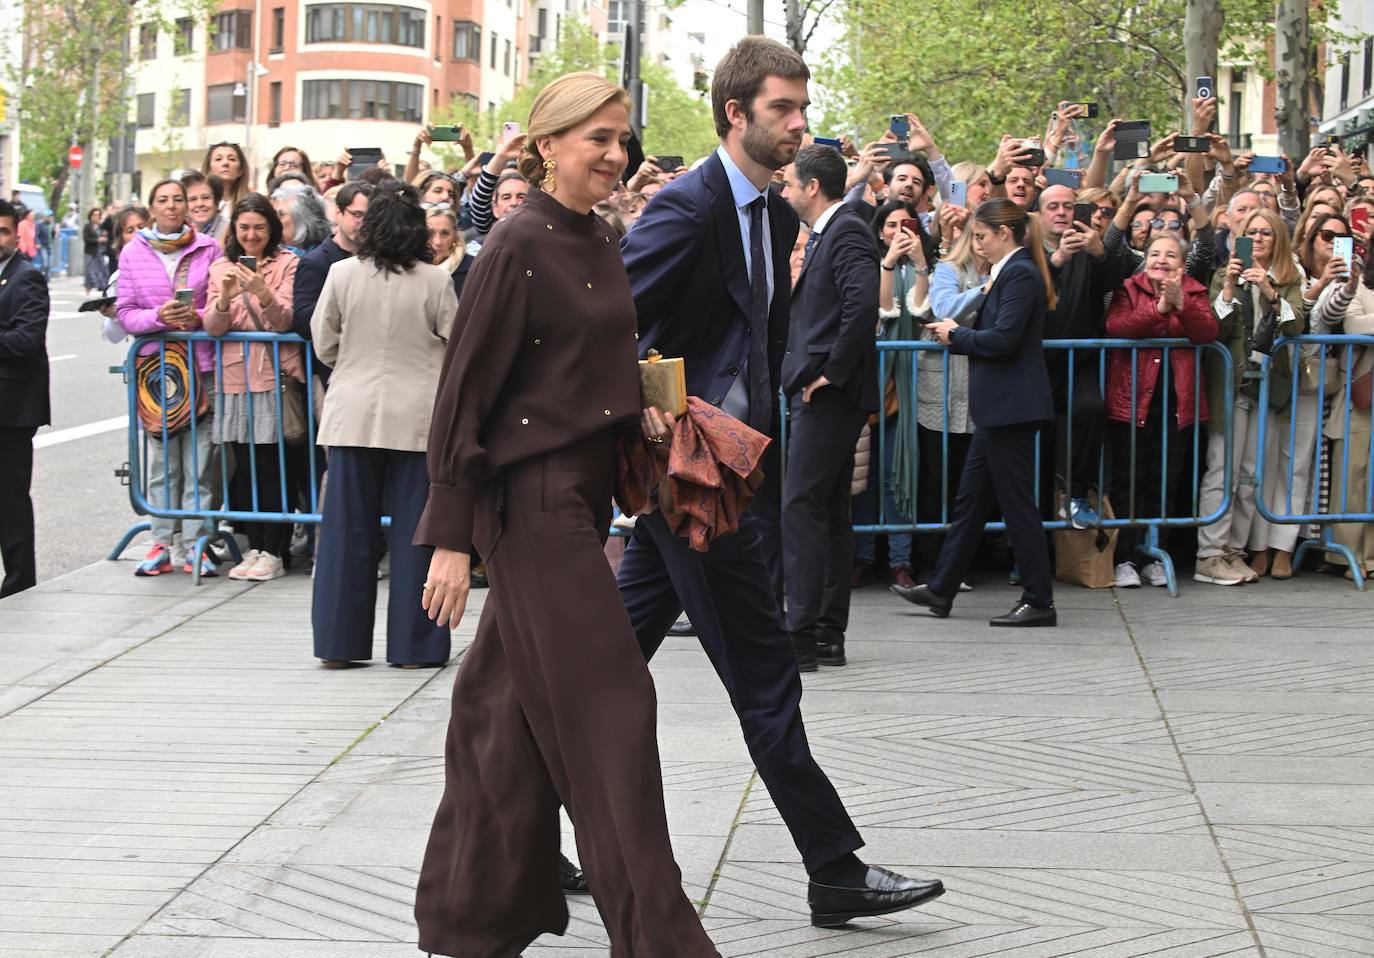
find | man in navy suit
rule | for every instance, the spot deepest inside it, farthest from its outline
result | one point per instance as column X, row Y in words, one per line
column 23, row 399
column 830, row 378
column 1009, row 400
column 708, row 265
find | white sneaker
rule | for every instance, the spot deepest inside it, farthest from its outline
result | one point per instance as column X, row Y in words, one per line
column 265, row 568
column 240, row 571
column 1153, row 573
column 623, row 522
column 1126, row 576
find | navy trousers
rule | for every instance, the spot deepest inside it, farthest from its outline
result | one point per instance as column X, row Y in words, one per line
column 345, row 599
column 728, row 594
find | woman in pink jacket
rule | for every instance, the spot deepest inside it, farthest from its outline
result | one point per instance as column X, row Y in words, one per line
column 160, row 259
column 247, row 299
column 1147, row 421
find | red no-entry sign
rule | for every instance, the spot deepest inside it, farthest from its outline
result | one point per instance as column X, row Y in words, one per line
column 74, row 156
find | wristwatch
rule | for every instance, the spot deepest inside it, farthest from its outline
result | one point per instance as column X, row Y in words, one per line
column 994, row 179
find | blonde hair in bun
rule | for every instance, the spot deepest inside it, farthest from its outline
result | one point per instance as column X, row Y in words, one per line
column 560, row 106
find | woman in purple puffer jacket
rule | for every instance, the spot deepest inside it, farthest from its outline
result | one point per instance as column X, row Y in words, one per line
column 162, row 258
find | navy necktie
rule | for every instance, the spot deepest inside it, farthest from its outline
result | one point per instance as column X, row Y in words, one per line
column 811, row 242
column 760, row 386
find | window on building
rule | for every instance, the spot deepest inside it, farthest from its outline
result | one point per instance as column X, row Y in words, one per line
column 147, row 111
column 364, row 23
column 180, row 114
column 147, row 41
column 1345, row 81
column 438, row 35
column 542, row 21
column 1368, row 65
column 492, row 60
column 222, row 105
column 183, row 36
column 362, row 100
column 278, row 30
column 232, row 30
column 617, row 18
column 505, row 58
column 467, row 40
column 274, row 103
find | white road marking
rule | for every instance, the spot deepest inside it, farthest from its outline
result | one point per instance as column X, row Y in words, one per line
column 58, row 359
column 58, row 436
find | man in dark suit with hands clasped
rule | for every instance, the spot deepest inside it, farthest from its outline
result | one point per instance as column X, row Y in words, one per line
column 829, row 376
column 23, row 399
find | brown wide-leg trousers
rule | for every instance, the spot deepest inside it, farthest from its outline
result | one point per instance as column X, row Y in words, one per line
column 553, row 705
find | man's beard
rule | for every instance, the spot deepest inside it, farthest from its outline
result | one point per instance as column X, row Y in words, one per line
column 764, row 150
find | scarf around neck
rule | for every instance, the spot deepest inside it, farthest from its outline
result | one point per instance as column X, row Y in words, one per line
column 168, row 242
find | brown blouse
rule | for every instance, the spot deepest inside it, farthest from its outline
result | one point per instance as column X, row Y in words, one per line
column 542, row 355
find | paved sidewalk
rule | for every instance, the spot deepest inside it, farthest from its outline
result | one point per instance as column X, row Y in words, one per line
column 1190, row 777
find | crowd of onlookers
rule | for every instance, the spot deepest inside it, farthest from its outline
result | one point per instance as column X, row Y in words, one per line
column 1187, row 241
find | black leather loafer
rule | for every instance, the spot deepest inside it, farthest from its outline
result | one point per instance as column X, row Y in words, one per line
column 570, row 875
column 921, row 595
column 683, row 626
column 830, row 648
column 882, row 893
column 1026, row 616
column 804, row 647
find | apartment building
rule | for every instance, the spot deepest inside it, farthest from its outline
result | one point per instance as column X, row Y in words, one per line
column 1349, row 107
column 318, row 75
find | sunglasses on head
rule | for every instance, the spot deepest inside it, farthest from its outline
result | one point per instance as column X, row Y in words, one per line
column 1330, row 235
column 1172, row 225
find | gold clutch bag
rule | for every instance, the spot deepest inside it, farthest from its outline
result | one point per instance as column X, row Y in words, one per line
column 663, row 384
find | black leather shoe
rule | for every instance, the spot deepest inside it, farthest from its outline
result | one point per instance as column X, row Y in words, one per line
column 830, row 648
column 683, row 626
column 921, row 595
column 570, row 875
column 1026, row 616
column 804, row 646
column 882, row 893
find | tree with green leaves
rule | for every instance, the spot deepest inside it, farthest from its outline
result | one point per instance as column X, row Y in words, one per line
column 71, row 81
column 680, row 120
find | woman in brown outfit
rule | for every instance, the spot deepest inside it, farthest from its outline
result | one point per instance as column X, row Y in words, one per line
column 553, row 703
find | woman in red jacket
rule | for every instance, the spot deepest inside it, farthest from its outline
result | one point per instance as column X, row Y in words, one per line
column 1163, row 301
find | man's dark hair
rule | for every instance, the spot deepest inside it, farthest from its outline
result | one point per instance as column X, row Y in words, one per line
column 824, row 165
column 7, row 209
column 394, row 235
column 510, row 175
column 192, row 177
column 922, row 166
column 376, row 175
column 350, row 192
column 740, row 75
column 253, row 203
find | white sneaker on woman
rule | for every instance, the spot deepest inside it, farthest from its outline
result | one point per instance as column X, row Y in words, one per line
column 266, row 567
column 240, row 571
column 1153, row 573
column 1126, row 576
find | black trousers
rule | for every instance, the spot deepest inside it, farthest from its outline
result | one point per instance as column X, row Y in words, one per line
column 264, row 468
column 345, row 597
column 930, row 486
column 1088, row 414
column 553, row 704
column 16, row 509
column 1159, row 453
column 728, row 597
column 817, row 527
column 1000, row 470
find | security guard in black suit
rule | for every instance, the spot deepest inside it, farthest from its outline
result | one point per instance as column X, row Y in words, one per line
column 830, row 378
column 1009, row 400
column 23, row 399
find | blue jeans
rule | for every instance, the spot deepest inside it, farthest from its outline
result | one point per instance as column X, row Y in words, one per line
column 865, row 507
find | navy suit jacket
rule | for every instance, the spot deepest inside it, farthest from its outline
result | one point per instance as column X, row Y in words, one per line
column 311, row 271
column 686, row 263
column 1007, row 380
column 835, row 313
column 23, row 345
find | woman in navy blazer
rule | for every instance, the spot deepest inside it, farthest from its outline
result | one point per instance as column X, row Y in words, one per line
column 1009, row 399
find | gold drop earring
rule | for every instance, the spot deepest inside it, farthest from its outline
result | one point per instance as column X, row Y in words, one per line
column 550, row 185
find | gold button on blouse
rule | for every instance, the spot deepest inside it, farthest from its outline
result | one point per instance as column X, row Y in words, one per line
column 589, row 285
column 524, row 422
column 536, row 342
column 529, row 272
column 608, row 412
column 548, row 226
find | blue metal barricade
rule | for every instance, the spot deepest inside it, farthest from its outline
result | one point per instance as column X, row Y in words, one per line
column 182, row 486
column 1073, row 352
column 1319, row 405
